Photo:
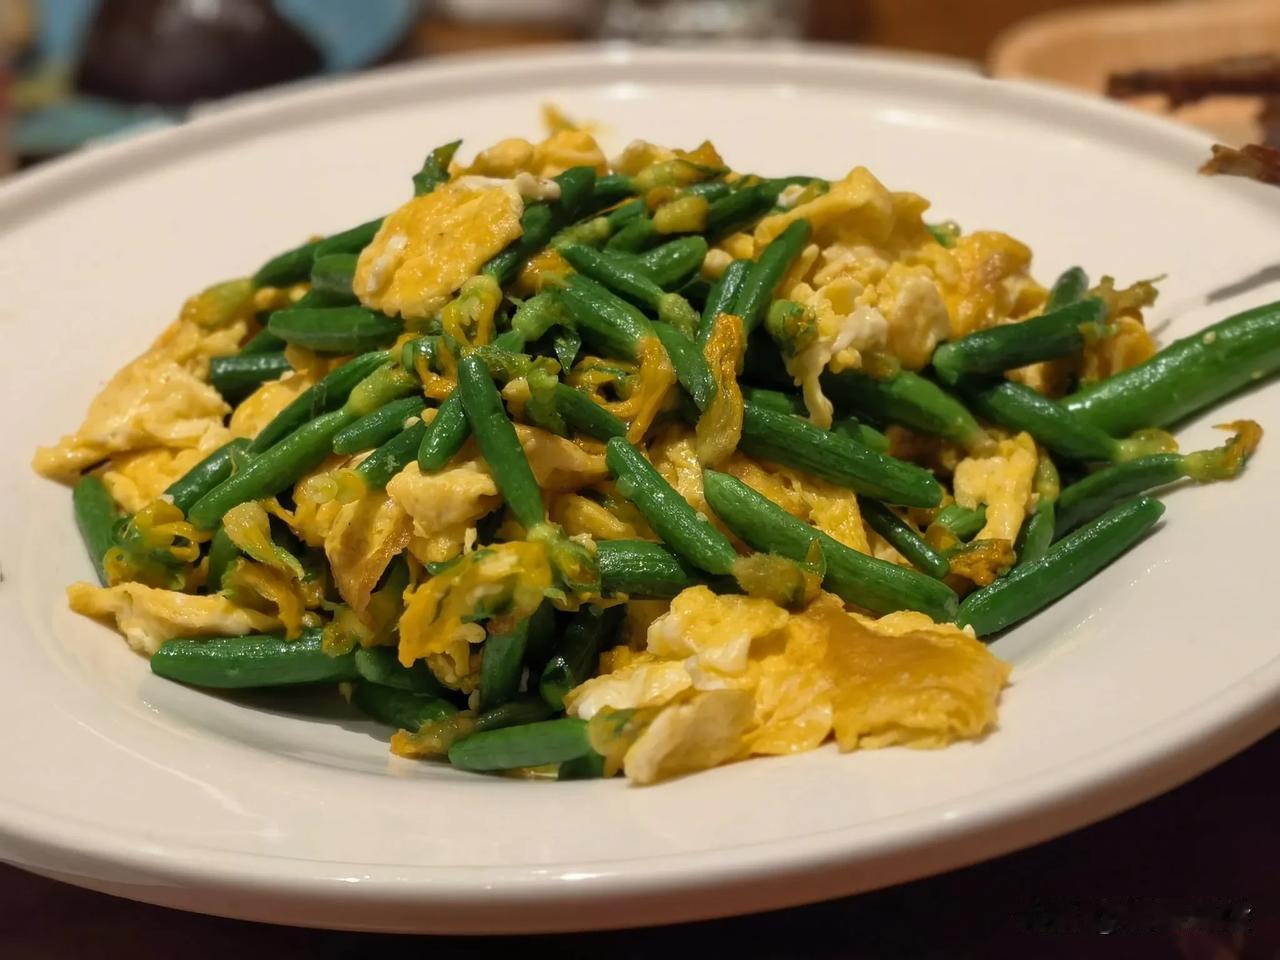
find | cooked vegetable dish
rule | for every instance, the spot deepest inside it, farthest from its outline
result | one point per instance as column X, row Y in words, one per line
column 570, row 467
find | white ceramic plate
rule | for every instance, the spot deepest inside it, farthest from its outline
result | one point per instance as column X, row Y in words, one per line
column 117, row 780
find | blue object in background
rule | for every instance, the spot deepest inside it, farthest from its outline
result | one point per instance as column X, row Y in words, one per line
column 349, row 34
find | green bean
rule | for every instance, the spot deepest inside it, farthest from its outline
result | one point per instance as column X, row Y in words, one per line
column 301, row 451
column 322, row 298
column 633, row 236
column 498, row 443
column 962, row 522
column 680, row 526
column 612, row 323
column 374, row 429
column 724, row 294
column 767, row 272
column 1019, row 407
column 222, row 552
column 513, row 713
column 530, row 745
column 435, row 168
column 264, row 341
column 567, row 345
column 584, row 415
column 335, row 329
column 876, row 585
column 237, row 376
column 501, row 665
column 631, row 283
column 611, row 189
column 775, row 401
column 349, row 241
column 904, row 538
column 623, row 214
column 1186, row 376
column 1037, row 533
column 1058, row 333
column 737, row 211
column 334, row 273
column 96, row 516
column 399, row 708
column 294, row 266
column 257, row 660
column 674, row 263
column 641, row 569
column 446, row 433
column 576, row 653
column 588, row 767
column 328, row 394
column 862, row 433
column 394, row 455
column 907, row 399
column 688, row 362
column 1029, row 588
column 797, row 443
column 540, row 222
column 206, row 474
column 1070, row 287
column 381, row 665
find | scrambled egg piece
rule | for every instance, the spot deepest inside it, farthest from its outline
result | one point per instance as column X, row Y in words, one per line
column 366, row 535
column 564, row 148
column 723, row 677
column 1003, row 481
column 259, row 408
column 136, row 478
column 148, row 616
column 443, row 505
column 427, row 249
column 993, row 285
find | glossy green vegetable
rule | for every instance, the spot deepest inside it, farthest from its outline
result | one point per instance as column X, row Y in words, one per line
column 674, row 263
column 435, row 168
column 907, row 399
column 207, row 474
column 584, row 415
column 374, row 429
column 757, row 290
column 670, row 515
column 329, row 394
column 1185, row 377
column 334, row 273
column 294, row 266
column 642, row 569
column 222, row 552
column 576, row 652
column 259, row 660
column 1057, row 333
column 399, row 708
column 445, row 435
column 1071, row 286
column 237, row 376
column 498, row 442
column 724, row 294
column 860, row 579
column 604, row 319
column 513, row 713
column 381, row 665
column 529, row 745
column 335, row 329
column 96, row 517
column 394, row 455
column 1029, row 588
column 904, row 538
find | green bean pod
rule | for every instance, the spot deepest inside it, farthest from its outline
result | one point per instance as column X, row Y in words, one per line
column 797, row 443
column 382, row 666
column 294, row 266
column 328, row 394
column 641, row 569
column 258, row 660
column 1094, row 494
column 237, row 376
column 738, row 211
column 1029, row 588
column 498, row 443
column 334, row 273
column 672, row 518
column 1058, row 333
column 394, row 455
column 631, row 283
column 374, row 429
column 207, row 474
column 446, row 433
column 502, row 661
column 904, row 538
column 529, row 745
column 1069, row 288
column 435, row 169
column 724, row 294
column 335, row 329
column 907, row 399
column 576, row 653
column 876, row 585
column 613, row 324
column 633, row 236
column 962, row 522
column 766, row 273
column 1186, row 376
column 673, row 264
column 513, row 713
column 1037, row 533
column 96, row 515
column 584, row 415
column 399, row 708
column 222, row 553
column 264, row 341
column 1019, row 407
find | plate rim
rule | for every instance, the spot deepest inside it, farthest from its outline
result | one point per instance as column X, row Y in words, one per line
column 454, row 900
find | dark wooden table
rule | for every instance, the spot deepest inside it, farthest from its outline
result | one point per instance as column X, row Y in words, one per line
column 1193, row 875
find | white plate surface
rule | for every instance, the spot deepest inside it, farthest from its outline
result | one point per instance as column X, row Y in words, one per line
column 119, row 781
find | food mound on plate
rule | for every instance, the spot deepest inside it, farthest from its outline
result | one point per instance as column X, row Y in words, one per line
column 570, row 467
